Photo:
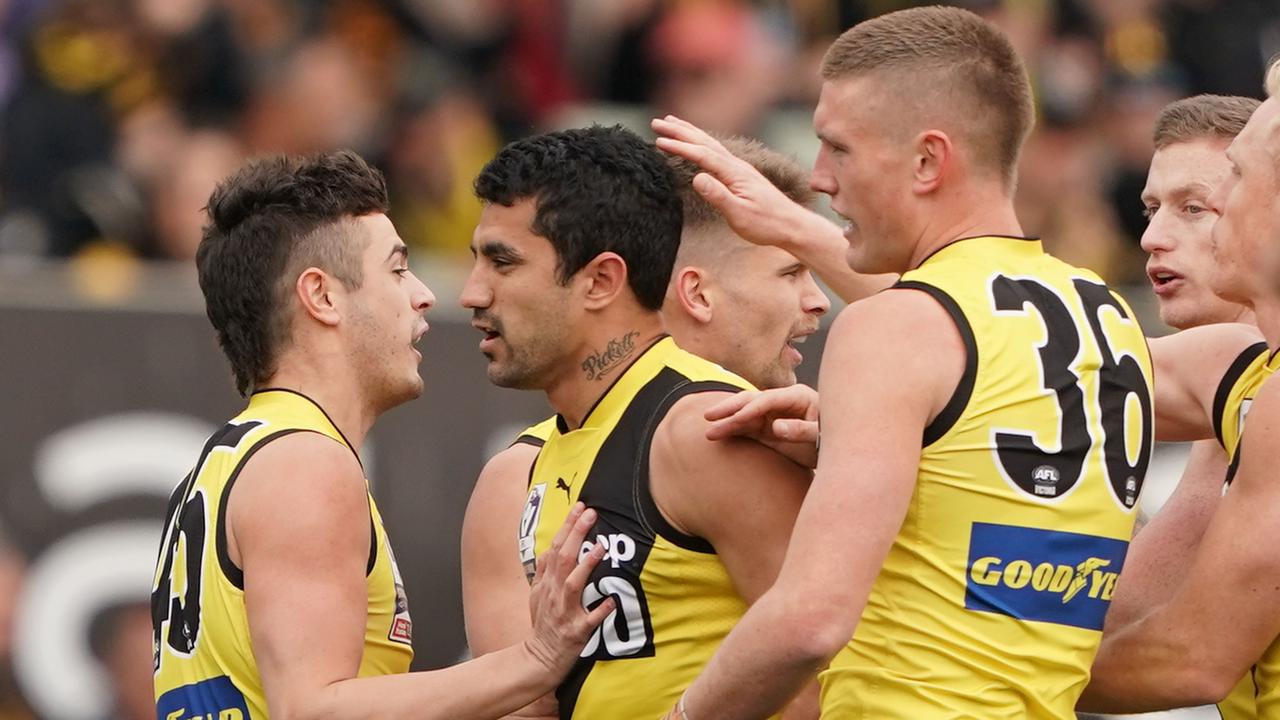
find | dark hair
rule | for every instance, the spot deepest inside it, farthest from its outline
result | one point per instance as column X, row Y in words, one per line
column 781, row 170
column 268, row 222
column 596, row 189
column 1202, row 116
column 949, row 51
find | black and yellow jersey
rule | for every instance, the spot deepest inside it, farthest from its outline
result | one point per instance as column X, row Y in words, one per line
column 991, row 600
column 1231, row 405
column 675, row 600
column 1235, row 395
column 203, row 657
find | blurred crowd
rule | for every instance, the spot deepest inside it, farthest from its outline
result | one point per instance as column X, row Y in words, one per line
column 120, row 115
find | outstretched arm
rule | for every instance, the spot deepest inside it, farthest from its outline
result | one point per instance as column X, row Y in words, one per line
column 293, row 588
column 495, row 592
column 760, row 212
column 1161, row 554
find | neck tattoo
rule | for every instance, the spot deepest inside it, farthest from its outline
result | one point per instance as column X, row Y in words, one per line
column 599, row 364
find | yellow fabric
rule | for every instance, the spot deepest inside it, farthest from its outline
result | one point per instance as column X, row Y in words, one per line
column 991, row 600
column 1239, row 396
column 211, row 672
column 676, row 603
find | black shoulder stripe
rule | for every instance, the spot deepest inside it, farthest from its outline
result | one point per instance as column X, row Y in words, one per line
column 648, row 508
column 528, row 440
column 1234, row 466
column 230, row 571
column 1229, row 380
column 964, row 389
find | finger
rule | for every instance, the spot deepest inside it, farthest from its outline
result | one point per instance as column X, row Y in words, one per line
column 575, row 513
column 715, row 192
column 711, row 158
column 599, row 614
column 573, row 543
column 730, row 405
column 800, row 431
column 681, row 129
column 577, row 580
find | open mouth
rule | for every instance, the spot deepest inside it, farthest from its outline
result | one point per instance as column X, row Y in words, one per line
column 1163, row 280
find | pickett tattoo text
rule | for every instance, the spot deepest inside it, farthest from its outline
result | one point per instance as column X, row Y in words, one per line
column 599, row 364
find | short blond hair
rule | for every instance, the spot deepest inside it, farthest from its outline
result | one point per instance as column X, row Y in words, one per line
column 947, row 49
column 1201, row 117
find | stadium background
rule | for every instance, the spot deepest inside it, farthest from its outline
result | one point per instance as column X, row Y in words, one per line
column 119, row 115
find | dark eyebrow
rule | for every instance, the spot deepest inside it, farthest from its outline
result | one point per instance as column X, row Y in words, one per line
column 496, row 248
column 402, row 250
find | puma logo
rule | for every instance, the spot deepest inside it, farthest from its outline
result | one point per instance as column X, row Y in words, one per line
column 562, row 485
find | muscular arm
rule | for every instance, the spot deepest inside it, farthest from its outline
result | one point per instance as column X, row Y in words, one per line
column 495, row 593
column 1189, row 651
column 866, row 470
column 304, row 582
column 1189, row 367
column 1162, row 553
column 737, row 494
column 762, row 214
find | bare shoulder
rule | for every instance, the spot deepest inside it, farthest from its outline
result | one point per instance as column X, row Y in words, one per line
column 317, row 479
column 508, row 469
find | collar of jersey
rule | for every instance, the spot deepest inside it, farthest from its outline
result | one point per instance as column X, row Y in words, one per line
column 638, row 372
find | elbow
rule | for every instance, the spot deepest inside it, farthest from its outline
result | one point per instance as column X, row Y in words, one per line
column 1207, row 684
column 814, row 636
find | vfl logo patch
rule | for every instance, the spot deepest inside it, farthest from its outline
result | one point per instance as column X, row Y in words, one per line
column 216, row 698
column 1043, row 575
column 528, row 528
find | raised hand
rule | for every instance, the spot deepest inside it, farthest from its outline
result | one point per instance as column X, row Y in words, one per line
column 755, row 209
column 561, row 626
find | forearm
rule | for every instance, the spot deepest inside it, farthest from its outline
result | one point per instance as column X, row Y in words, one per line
column 820, row 244
column 1148, row 666
column 484, row 688
column 760, row 666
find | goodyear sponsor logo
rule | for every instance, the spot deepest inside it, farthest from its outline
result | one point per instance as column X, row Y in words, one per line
column 213, row 699
column 1043, row 575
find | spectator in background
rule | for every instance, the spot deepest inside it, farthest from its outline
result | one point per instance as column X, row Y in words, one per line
column 718, row 66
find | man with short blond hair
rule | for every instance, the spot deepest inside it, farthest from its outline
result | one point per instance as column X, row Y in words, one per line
column 978, row 471
column 1220, row 622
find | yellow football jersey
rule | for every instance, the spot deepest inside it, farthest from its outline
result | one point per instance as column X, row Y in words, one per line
column 203, row 658
column 1230, row 408
column 991, row 600
column 675, row 600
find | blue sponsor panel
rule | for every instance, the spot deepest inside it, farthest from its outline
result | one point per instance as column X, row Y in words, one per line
column 213, row 699
column 1044, row 575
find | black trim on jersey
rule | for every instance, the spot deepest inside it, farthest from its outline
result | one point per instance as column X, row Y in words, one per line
column 354, row 450
column 625, row 504
column 1234, row 466
column 1223, row 393
column 526, row 439
column 650, row 514
column 974, row 237
column 563, row 426
column 235, row 575
column 964, row 389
